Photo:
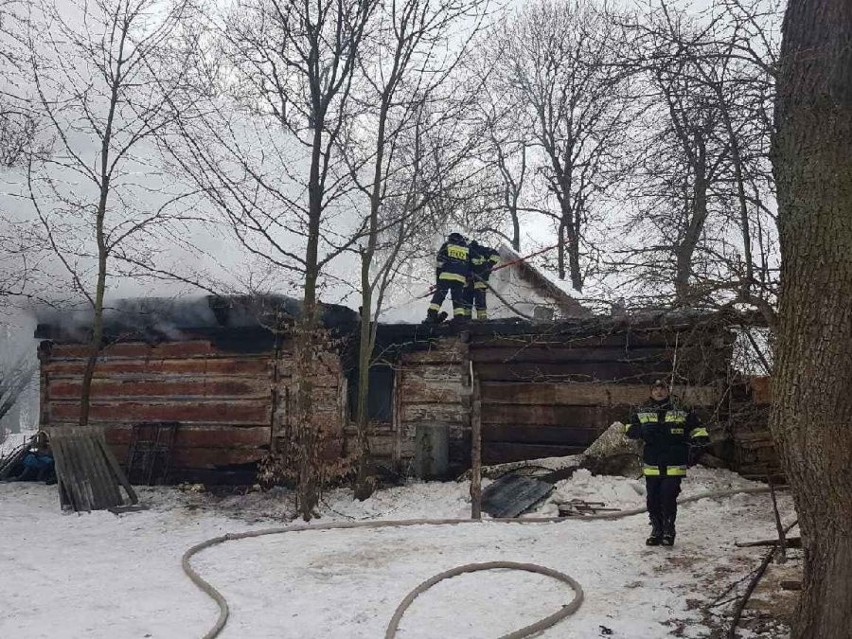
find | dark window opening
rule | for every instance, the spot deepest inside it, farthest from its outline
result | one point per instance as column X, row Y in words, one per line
column 379, row 397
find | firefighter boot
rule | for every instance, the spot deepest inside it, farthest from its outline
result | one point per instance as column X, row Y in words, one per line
column 656, row 531
column 668, row 531
column 431, row 317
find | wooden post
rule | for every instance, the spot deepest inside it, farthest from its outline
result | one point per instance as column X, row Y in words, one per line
column 476, row 448
column 396, row 420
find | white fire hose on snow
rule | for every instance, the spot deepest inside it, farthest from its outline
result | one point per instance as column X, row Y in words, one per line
column 391, row 632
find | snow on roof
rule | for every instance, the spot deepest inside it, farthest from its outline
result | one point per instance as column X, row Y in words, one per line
column 563, row 293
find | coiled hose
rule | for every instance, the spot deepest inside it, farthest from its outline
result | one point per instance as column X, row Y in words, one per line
column 391, row 631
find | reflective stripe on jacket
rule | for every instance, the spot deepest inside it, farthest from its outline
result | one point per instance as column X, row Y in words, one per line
column 669, row 432
column 453, row 263
column 482, row 261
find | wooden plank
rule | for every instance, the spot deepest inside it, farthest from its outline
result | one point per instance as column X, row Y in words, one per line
column 573, row 372
column 385, row 446
column 500, row 453
column 205, row 386
column 110, row 482
column 476, row 451
column 557, row 354
column 433, row 356
column 204, row 457
column 249, row 412
column 321, row 374
column 117, row 471
column 324, row 396
column 588, row 394
column 81, row 478
column 78, row 463
column 137, row 350
column 537, row 434
column 399, row 439
column 65, row 472
column 434, row 413
column 649, row 338
column 376, row 428
column 233, row 367
column 95, row 475
column 573, row 416
column 201, row 436
column 418, row 391
column 433, row 374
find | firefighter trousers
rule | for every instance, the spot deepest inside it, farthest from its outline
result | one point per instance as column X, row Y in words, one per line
column 457, row 291
column 662, row 496
column 476, row 298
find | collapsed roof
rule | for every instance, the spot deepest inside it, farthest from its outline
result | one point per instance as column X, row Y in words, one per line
column 174, row 319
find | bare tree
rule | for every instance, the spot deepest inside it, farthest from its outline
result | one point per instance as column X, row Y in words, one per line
column 265, row 150
column 556, row 65
column 98, row 70
column 19, row 255
column 403, row 66
column 17, row 122
column 813, row 372
column 17, row 134
column 704, row 187
column 506, row 157
column 15, row 376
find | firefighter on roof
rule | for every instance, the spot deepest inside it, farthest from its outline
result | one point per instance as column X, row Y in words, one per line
column 452, row 271
column 483, row 259
column 671, row 435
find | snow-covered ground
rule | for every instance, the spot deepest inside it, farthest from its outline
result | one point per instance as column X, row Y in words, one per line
column 99, row 575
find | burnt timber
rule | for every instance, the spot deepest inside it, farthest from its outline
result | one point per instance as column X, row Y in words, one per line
column 548, row 389
column 222, row 370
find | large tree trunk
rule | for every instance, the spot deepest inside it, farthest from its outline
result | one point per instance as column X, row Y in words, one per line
column 95, row 344
column 97, row 339
column 363, row 481
column 305, row 349
column 813, row 383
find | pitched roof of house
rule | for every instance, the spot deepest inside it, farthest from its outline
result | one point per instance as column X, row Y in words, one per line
column 547, row 286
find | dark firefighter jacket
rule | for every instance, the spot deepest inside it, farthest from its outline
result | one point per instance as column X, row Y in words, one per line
column 483, row 259
column 453, row 263
column 669, row 433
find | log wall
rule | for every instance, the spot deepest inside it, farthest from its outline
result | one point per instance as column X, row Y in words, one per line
column 554, row 395
column 430, row 387
column 544, row 395
column 229, row 406
column 753, row 449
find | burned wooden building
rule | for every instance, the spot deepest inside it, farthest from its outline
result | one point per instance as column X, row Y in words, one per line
column 218, row 372
column 547, row 389
column 207, row 381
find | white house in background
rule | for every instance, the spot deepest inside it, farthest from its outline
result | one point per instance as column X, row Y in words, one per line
column 526, row 290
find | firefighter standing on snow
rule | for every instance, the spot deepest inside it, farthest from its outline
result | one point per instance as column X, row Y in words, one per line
column 452, row 270
column 670, row 434
column 483, row 259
